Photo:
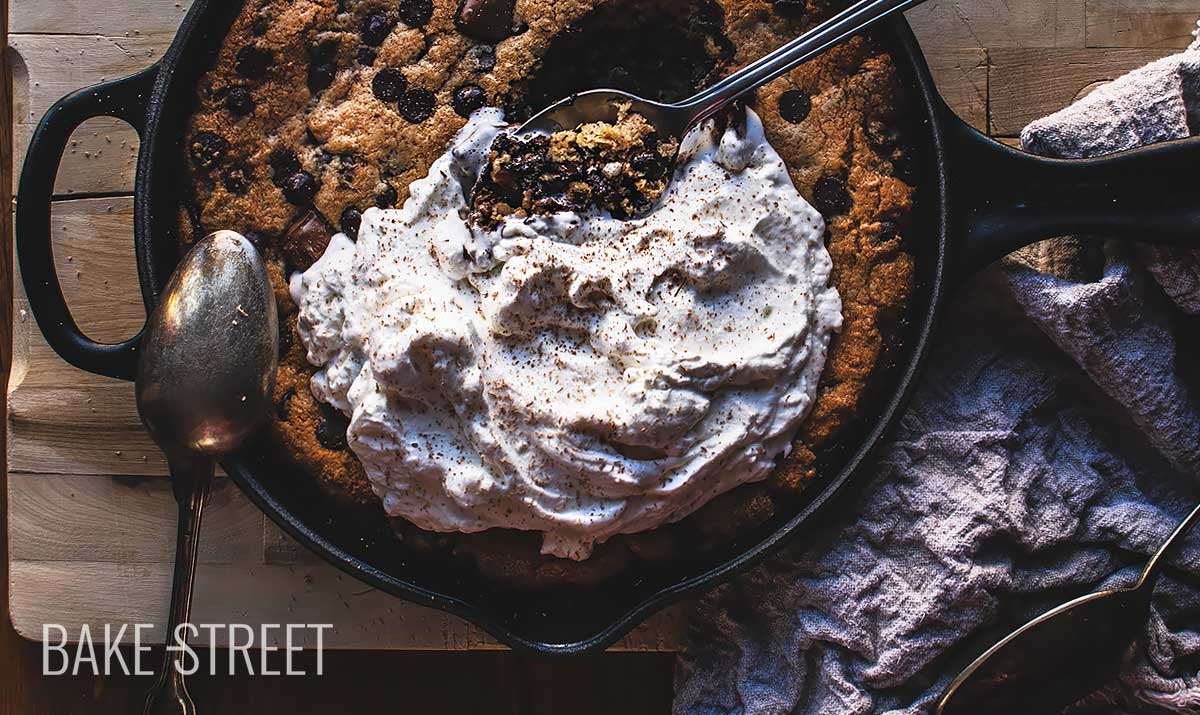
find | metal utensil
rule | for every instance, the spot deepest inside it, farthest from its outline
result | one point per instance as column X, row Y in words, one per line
column 1062, row 655
column 204, row 383
column 676, row 119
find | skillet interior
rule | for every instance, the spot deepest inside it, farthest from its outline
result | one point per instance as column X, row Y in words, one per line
column 561, row 619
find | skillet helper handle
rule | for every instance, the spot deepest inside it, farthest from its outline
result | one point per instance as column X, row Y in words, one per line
column 1004, row 199
column 123, row 99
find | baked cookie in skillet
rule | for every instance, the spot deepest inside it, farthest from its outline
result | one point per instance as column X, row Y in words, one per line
column 315, row 110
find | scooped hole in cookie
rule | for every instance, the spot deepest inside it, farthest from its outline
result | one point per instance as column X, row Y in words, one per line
column 659, row 49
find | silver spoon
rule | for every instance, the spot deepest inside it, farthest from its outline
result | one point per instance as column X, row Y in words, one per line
column 1062, row 655
column 601, row 105
column 204, row 384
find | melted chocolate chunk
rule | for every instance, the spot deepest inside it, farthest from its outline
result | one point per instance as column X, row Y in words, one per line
column 253, row 62
column 831, row 196
column 486, row 20
column 389, row 85
column 305, row 241
column 331, row 432
column 795, row 105
column 351, row 220
column 387, row 198
column 207, row 149
column 300, row 188
column 415, row 13
column 468, row 98
column 239, row 102
column 416, row 105
column 376, row 27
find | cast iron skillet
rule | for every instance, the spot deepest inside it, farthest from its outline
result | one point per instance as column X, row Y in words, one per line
column 977, row 201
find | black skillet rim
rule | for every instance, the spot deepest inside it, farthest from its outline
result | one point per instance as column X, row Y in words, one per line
column 152, row 272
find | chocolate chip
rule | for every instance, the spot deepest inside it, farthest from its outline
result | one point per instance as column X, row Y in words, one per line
column 351, row 220
column 260, row 26
column 305, row 241
column 415, row 13
column 239, row 102
column 207, row 149
column 259, row 239
column 331, row 431
column 791, row 9
column 468, row 98
column 253, row 62
column 320, row 76
column 389, row 84
column 236, row 179
column 283, row 164
column 387, row 198
column 285, row 400
column 300, row 188
column 366, row 56
column 416, row 105
column 650, row 164
column 376, row 27
column 795, row 105
column 831, row 196
column 485, row 20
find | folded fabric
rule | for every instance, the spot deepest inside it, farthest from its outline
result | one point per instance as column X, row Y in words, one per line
column 1052, row 445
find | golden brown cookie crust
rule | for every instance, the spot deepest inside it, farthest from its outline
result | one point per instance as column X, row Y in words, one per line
column 839, row 123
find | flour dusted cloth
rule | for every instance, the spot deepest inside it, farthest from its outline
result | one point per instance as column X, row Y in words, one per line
column 1052, row 445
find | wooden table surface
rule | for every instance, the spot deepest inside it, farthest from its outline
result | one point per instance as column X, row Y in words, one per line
column 1000, row 63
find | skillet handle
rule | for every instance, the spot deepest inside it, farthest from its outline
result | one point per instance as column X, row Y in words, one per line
column 1003, row 199
column 124, row 99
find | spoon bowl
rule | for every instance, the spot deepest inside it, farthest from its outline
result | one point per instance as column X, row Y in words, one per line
column 1062, row 655
column 207, row 365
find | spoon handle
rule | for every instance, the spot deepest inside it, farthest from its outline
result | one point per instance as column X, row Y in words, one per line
column 820, row 38
column 192, row 479
column 1159, row 558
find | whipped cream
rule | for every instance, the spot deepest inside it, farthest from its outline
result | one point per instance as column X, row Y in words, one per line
column 574, row 374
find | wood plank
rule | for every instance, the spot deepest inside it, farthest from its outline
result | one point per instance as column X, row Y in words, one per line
column 1145, row 23
column 73, row 593
column 962, row 79
column 91, row 17
column 62, row 517
column 951, row 24
column 1025, row 84
column 102, row 155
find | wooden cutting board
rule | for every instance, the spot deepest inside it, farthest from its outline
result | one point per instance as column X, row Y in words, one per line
column 91, row 520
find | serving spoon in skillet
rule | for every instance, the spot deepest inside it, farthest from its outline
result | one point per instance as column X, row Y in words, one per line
column 204, row 384
column 1062, row 655
column 674, row 120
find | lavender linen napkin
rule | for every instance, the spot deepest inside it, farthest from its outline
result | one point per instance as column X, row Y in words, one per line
column 1052, row 445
